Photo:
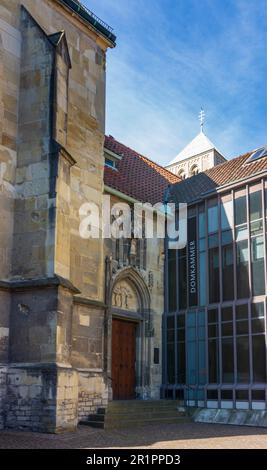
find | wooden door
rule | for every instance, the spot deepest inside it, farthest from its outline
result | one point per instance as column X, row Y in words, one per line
column 123, row 359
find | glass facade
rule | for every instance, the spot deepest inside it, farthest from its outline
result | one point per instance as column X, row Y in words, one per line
column 215, row 322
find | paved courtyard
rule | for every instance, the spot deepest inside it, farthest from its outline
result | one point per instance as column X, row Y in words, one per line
column 182, row 436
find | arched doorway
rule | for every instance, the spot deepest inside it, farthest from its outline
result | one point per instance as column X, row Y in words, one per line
column 129, row 336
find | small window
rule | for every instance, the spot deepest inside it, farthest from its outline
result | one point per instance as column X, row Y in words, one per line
column 260, row 153
column 181, row 174
column 110, row 163
column 194, row 170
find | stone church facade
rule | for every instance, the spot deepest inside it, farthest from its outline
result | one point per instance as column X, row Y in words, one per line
column 60, row 294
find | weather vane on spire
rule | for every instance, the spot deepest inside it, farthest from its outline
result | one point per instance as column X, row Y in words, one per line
column 201, row 119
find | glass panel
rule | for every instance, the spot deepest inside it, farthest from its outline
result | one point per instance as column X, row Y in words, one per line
column 212, row 394
column 213, row 315
column 257, row 266
column 202, row 244
column 170, row 363
column 242, row 350
column 172, row 279
column 191, row 319
column 242, row 394
column 227, row 237
column 242, row 269
column 170, row 336
column 182, row 279
column 181, row 321
column 181, row 335
column 179, row 394
column 213, row 240
column 212, row 217
column 227, row 329
column 226, row 215
column 201, row 224
column 202, row 278
column 181, row 362
column 256, row 228
column 201, row 332
column 226, row 394
column 202, row 379
column 259, row 358
column 227, row 360
column 242, row 312
column 258, row 395
column 214, row 275
column 213, row 330
column 213, row 360
column 227, row 314
column 240, row 210
column 201, row 318
column 257, row 325
column 191, row 334
column 170, row 322
column 242, row 327
column 191, row 357
column 257, row 310
column 228, row 272
column 241, row 233
column 255, row 206
column 191, row 211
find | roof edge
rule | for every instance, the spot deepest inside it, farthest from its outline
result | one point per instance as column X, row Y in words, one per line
column 89, row 17
column 139, row 155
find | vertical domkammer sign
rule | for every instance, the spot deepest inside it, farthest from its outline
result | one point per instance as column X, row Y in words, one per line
column 192, row 262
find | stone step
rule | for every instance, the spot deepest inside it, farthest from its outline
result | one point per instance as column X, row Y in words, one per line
column 141, row 406
column 97, row 417
column 137, row 413
column 137, row 403
column 147, row 414
column 132, row 423
column 93, row 424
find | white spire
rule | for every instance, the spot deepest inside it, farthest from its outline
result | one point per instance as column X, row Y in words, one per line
column 198, row 145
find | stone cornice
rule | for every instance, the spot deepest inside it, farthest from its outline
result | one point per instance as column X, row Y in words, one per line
column 20, row 284
column 85, row 301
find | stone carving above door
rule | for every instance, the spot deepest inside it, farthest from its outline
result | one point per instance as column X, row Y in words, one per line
column 124, row 296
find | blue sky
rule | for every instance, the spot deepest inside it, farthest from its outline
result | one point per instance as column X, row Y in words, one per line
column 174, row 56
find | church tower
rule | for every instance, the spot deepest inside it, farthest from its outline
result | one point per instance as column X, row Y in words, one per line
column 199, row 155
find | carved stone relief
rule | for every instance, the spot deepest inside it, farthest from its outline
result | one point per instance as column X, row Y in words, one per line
column 124, row 296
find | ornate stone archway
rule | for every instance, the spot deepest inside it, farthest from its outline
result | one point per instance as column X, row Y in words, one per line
column 128, row 298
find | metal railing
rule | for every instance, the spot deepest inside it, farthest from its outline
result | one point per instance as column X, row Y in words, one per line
column 95, row 17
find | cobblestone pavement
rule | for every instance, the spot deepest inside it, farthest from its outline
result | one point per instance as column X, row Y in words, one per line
column 172, row 436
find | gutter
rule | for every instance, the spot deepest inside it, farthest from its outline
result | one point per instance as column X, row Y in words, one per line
column 117, row 193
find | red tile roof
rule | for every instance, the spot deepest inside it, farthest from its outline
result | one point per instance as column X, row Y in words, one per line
column 136, row 175
column 226, row 173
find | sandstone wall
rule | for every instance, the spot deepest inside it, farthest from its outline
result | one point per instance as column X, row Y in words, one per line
column 10, row 50
column 44, row 103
